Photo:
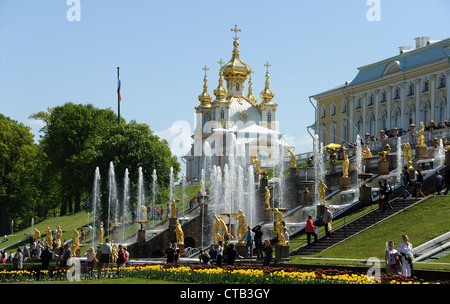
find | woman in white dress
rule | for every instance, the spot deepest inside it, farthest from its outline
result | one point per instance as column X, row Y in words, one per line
column 406, row 250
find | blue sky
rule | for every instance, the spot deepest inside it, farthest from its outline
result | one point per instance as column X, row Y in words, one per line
column 161, row 47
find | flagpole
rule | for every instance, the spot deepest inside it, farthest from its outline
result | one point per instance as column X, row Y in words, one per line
column 118, row 95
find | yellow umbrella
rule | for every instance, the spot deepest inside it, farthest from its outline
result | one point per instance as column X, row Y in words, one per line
column 332, row 146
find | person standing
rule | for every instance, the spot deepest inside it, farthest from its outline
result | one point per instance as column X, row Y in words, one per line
column 66, row 256
column 105, row 251
column 419, row 183
column 248, row 238
column 121, row 258
column 405, row 182
column 219, row 254
column 391, row 257
column 327, row 218
column 438, row 182
column 387, row 194
column 176, row 253
column 406, row 250
column 258, row 240
column 268, row 252
column 18, row 259
column 169, row 254
column 90, row 258
column 232, row 255
column 46, row 256
column 310, row 230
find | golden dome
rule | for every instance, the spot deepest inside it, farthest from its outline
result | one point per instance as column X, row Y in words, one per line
column 220, row 92
column 205, row 98
column 267, row 94
column 252, row 99
column 236, row 67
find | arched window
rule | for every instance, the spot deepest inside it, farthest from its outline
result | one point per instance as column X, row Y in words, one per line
column 358, row 126
column 323, row 111
column 344, row 130
column 222, row 114
column 441, row 110
column 425, row 114
column 395, row 118
column 411, row 114
column 344, row 106
column 333, row 132
column 442, row 81
column 269, row 116
column 370, row 124
column 237, row 86
column 382, row 119
column 333, row 109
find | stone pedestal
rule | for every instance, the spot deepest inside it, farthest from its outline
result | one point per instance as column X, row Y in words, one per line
column 242, row 250
column 447, row 157
column 320, row 210
column 422, row 152
column 383, row 167
column 181, row 247
column 365, row 194
column 292, row 171
column 281, row 253
column 141, row 236
column 345, row 183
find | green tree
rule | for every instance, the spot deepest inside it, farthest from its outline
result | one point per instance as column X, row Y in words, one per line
column 17, row 153
column 70, row 132
column 133, row 145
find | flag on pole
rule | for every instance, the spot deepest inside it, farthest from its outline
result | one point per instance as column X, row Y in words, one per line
column 118, row 89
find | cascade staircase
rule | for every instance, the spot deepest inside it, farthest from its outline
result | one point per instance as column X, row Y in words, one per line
column 354, row 227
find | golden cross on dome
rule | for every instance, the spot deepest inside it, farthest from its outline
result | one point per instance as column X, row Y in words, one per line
column 220, row 62
column 205, row 69
column 235, row 30
column 267, row 65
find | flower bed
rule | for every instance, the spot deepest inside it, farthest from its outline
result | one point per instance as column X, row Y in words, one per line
column 215, row 275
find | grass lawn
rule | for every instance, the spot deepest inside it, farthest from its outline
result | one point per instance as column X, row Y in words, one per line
column 421, row 223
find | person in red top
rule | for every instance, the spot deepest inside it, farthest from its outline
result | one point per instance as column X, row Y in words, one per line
column 121, row 259
column 310, row 230
column 82, row 236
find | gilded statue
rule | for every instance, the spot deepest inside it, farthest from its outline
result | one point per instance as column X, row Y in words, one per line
column 267, row 197
column 258, row 168
column 366, row 152
column 293, row 161
column 345, row 166
column 179, row 233
column 100, row 235
column 58, row 236
column 49, row 238
column 242, row 224
column 114, row 252
column 142, row 214
column 385, row 152
column 421, row 139
column 322, row 187
column 75, row 241
column 37, row 234
column 407, row 152
column 173, row 209
column 217, row 236
column 279, row 227
column 223, row 225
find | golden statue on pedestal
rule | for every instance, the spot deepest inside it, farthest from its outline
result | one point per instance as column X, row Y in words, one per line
column 173, row 209
column 279, row 226
column 322, row 187
column 58, row 236
column 293, row 160
column 385, row 152
column 100, row 235
column 142, row 214
column 221, row 224
column 75, row 241
column 37, row 234
column 345, row 166
column 258, row 168
column 421, row 139
column 267, row 197
column 49, row 238
column 407, row 152
column 179, row 233
column 240, row 217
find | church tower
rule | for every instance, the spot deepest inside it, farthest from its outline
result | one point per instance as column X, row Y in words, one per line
column 267, row 107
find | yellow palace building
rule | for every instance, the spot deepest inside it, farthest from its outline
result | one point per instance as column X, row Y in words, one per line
column 391, row 94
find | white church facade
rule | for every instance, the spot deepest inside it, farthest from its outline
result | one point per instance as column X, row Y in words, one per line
column 231, row 125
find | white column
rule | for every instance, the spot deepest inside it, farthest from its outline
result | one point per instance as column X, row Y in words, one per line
column 351, row 108
column 377, row 100
column 417, row 95
column 447, row 87
column 402, row 105
column 388, row 110
column 363, row 114
column 432, row 82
